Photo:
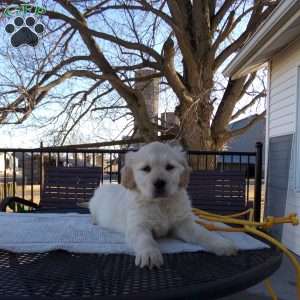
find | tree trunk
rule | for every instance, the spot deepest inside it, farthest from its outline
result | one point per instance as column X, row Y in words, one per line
column 195, row 132
column 195, row 112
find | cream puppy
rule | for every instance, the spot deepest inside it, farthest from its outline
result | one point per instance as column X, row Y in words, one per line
column 152, row 202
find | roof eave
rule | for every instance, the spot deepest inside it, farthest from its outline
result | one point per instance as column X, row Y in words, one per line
column 277, row 22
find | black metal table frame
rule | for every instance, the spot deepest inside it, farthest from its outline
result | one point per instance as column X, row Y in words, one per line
column 183, row 275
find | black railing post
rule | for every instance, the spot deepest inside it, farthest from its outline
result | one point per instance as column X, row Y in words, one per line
column 119, row 168
column 42, row 171
column 258, row 182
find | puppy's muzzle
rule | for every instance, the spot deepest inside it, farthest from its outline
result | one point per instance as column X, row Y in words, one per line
column 159, row 188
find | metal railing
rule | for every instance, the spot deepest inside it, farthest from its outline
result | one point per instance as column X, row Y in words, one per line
column 22, row 170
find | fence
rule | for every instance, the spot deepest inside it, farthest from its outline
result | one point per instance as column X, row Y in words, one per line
column 22, row 170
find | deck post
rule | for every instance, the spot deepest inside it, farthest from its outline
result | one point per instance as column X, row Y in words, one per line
column 258, row 182
column 42, row 170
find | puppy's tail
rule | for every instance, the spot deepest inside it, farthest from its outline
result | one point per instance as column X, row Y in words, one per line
column 83, row 204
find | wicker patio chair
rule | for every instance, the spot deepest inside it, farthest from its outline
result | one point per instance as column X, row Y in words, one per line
column 63, row 189
column 220, row 192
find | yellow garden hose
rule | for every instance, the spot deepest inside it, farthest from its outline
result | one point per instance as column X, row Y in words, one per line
column 284, row 249
column 203, row 212
column 229, row 219
column 268, row 285
column 249, row 226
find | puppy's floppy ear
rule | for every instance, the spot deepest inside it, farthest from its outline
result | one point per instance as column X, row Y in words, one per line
column 185, row 175
column 127, row 177
column 177, row 148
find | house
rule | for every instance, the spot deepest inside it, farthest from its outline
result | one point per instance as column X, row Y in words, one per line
column 246, row 142
column 276, row 44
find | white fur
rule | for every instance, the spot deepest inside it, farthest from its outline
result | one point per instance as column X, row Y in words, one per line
column 143, row 216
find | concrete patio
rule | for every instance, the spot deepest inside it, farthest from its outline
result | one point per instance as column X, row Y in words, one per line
column 283, row 282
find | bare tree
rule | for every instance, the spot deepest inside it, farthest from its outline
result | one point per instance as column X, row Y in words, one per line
column 186, row 43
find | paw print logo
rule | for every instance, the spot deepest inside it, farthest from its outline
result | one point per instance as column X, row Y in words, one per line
column 24, row 33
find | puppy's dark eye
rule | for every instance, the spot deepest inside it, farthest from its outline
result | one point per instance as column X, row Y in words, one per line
column 146, row 169
column 169, row 167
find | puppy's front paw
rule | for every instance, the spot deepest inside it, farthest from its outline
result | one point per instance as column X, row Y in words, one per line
column 150, row 257
column 224, row 246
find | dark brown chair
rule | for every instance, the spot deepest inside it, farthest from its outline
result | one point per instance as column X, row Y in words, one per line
column 221, row 192
column 63, row 189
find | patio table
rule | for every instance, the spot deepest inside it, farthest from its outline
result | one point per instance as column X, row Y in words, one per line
column 189, row 275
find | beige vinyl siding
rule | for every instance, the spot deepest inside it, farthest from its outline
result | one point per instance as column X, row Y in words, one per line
column 283, row 91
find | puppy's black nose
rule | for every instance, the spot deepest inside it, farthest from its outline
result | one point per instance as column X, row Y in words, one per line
column 159, row 184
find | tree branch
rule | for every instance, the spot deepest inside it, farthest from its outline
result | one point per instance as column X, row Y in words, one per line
column 110, row 107
column 217, row 18
column 133, row 97
column 255, row 20
column 170, row 72
column 225, row 109
column 249, row 105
